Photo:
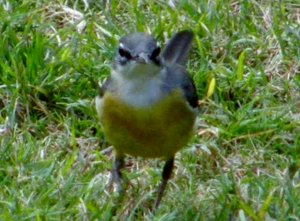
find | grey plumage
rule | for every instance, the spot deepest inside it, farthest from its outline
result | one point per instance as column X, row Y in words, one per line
column 177, row 49
column 172, row 58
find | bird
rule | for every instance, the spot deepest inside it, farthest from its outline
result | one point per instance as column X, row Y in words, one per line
column 148, row 105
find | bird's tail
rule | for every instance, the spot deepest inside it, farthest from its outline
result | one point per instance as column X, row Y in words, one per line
column 177, row 49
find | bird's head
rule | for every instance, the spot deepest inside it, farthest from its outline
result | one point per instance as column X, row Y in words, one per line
column 137, row 54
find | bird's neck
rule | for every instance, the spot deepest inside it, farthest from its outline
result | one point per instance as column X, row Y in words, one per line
column 141, row 91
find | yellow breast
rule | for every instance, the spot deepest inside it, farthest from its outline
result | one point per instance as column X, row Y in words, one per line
column 156, row 131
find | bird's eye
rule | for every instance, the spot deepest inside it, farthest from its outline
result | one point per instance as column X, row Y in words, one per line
column 124, row 53
column 155, row 53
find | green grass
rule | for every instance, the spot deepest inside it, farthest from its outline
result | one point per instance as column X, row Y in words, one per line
column 242, row 164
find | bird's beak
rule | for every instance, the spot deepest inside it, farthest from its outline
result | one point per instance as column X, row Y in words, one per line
column 142, row 58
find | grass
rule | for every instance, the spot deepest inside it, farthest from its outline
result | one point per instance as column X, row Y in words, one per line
column 242, row 164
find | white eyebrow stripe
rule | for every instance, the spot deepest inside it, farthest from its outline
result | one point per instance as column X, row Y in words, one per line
column 121, row 45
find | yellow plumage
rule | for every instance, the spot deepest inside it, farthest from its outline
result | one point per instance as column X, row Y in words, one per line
column 158, row 130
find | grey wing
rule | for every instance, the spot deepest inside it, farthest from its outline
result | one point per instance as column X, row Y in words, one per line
column 190, row 91
column 173, row 57
column 106, row 86
column 177, row 77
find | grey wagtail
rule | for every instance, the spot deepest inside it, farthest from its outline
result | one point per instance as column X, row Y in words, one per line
column 148, row 105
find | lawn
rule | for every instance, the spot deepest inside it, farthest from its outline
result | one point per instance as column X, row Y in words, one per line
column 243, row 162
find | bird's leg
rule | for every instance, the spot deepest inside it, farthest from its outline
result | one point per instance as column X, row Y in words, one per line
column 166, row 174
column 116, row 179
column 116, row 172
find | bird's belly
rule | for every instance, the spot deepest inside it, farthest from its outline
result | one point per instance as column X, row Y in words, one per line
column 156, row 131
